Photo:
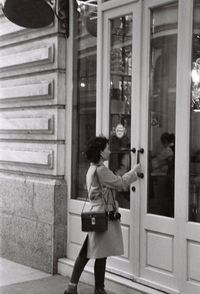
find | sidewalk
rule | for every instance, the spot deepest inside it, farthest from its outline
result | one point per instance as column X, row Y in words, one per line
column 51, row 285
column 20, row 279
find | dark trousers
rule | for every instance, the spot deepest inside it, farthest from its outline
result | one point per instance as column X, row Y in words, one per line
column 81, row 261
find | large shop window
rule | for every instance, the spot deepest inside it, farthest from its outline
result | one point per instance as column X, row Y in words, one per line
column 194, row 197
column 162, row 107
column 84, row 90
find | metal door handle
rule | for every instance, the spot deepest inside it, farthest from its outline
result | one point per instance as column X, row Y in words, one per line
column 140, row 151
column 133, row 150
column 125, row 150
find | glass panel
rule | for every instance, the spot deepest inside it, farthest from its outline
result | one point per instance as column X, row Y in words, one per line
column 84, row 84
column 120, row 99
column 162, row 102
column 194, row 199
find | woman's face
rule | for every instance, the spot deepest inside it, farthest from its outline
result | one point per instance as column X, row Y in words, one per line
column 105, row 153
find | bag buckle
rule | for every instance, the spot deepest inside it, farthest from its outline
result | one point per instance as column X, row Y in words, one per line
column 93, row 221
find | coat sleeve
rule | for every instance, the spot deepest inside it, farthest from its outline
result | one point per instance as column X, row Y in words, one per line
column 109, row 179
column 162, row 158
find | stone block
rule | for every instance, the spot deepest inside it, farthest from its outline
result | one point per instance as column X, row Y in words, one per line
column 27, row 242
column 28, row 199
column 33, row 221
column 60, row 244
column 60, row 204
column 43, row 202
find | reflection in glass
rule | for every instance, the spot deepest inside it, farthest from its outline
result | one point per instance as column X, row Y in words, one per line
column 194, row 191
column 162, row 101
column 84, row 84
column 120, row 99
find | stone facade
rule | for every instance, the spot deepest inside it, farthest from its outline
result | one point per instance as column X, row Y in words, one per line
column 33, row 192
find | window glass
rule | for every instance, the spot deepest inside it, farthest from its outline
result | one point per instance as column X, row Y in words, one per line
column 194, row 191
column 84, row 87
column 162, row 107
column 120, row 99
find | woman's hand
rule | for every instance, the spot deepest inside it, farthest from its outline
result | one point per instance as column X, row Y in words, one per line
column 137, row 168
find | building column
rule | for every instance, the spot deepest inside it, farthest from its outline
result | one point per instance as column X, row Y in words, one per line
column 33, row 191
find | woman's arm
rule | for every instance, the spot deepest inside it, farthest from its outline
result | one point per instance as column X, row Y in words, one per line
column 162, row 158
column 109, row 179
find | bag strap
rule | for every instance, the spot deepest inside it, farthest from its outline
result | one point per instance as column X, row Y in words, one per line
column 101, row 188
column 87, row 193
column 106, row 202
column 114, row 204
column 87, row 196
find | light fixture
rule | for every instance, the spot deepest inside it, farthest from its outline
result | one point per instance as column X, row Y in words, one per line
column 196, row 85
column 82, row 85
column 88, row 8
column 37, row 13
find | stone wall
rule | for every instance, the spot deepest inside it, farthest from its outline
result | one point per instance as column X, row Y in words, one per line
column 33, row 192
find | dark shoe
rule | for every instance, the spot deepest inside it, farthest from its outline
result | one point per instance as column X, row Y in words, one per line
column 71, row 290
column 99, row 291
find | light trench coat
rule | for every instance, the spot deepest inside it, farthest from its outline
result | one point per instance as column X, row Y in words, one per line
column 107, row 243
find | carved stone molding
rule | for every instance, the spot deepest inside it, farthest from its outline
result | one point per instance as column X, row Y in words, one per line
column 30, row 57
column 34, row 158
column 35, row 91
column 24, row 157
column 35, row 124
column 27, row 125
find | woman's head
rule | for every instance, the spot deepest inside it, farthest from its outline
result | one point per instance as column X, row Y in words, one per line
column 165, row 140
column 97, row 148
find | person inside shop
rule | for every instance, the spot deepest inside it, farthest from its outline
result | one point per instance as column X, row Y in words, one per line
column 163, row 180
column 163, row 160
column 98, row 245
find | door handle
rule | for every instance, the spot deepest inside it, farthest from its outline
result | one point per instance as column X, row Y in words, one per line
column 130, row 150
column 133, row 150
column 140, row 151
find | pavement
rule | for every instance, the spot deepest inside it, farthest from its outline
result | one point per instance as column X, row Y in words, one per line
column 19, row 279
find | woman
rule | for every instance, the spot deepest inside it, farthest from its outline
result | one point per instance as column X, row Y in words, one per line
column 162, row 161
column 101, row 245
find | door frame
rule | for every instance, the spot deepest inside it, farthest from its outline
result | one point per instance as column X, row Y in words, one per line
column 180, row 226
column 150, row 224
column 106, row 12
column 183, row 230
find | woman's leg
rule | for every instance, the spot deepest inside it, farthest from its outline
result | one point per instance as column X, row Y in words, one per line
column 99, row 272
column 80, row 263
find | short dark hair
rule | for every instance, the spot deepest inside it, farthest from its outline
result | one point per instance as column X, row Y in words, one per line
column 94, row 148
column 165, row 138
column 172, row 138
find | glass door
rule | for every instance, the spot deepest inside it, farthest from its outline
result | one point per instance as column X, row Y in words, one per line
column 191, row 223
column 158, row 116
column 170, row 82
column 119, row 116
